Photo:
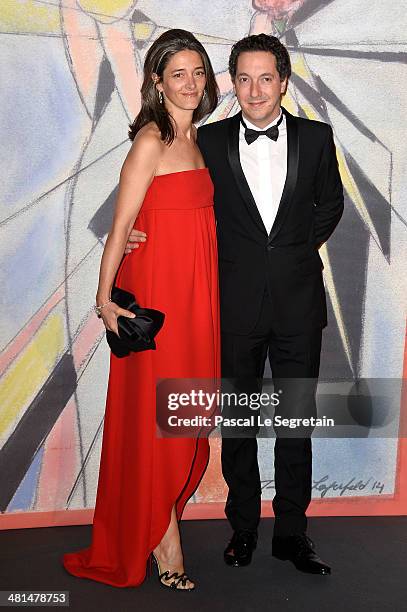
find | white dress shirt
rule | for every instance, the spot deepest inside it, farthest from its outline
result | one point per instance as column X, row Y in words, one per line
column 264, row 163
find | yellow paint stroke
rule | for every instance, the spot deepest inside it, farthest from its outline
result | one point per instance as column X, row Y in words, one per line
column 310, row 112
column 335, row 304
column 299, row 67
column 143, row 31
column 30, row 371
column 101, row 9
column 28, row 16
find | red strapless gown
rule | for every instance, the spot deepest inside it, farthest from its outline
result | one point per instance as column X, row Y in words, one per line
column 141, row 476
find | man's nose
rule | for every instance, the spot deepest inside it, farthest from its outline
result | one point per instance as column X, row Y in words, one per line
column 254, row 90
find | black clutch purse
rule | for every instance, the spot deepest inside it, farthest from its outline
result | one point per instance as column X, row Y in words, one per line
column 135, row 334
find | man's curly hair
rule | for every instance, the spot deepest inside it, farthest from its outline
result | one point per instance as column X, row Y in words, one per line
column 261, row 42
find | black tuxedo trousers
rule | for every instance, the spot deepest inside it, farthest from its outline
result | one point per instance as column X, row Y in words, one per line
column 293, row 361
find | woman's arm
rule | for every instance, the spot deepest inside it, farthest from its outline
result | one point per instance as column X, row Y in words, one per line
column 136, row 175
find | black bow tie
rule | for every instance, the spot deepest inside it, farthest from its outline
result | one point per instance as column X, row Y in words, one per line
column 252, row 135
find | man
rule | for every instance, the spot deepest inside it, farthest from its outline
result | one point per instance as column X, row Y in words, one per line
column 278, row 198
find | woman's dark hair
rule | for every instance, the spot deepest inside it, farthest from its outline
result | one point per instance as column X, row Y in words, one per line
column 261, row 42
column 157, row 58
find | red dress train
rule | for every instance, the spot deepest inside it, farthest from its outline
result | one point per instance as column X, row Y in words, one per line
column 142, row 476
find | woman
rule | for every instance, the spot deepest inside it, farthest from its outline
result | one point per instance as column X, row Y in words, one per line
column 145, row 481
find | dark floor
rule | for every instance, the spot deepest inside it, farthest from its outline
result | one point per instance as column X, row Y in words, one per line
column 368, row 556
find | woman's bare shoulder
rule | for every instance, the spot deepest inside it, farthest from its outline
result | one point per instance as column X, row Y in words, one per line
column 149, row 135
column 147, row 146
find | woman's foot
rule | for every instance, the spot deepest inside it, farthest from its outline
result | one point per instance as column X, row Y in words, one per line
column 169, row 558
column 174, row 579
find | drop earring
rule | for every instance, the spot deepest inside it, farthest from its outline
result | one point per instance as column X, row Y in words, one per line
column 161, row 97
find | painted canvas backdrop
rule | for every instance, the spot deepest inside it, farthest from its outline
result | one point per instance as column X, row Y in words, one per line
column 71, row 73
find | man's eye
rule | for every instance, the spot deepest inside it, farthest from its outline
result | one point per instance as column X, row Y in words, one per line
column 243, row 79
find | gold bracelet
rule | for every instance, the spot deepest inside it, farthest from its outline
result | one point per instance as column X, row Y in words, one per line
column 98, row 309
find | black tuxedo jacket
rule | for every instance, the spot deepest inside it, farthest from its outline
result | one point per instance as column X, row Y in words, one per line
column 286, row 260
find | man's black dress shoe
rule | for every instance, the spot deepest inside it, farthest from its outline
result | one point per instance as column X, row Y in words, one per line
column 240, row 548
column 300, row 550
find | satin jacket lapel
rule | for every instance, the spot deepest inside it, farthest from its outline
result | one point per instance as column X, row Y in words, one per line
column 292, row 173
column 234, row 161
